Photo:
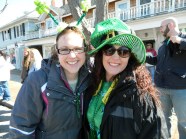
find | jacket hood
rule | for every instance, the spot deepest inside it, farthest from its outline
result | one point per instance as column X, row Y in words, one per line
column 46, row 64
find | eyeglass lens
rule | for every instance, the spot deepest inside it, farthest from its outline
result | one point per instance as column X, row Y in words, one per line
column 67, row 51
column 122, row 51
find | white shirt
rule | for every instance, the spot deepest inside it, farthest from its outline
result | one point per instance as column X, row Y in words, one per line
column 5, row 68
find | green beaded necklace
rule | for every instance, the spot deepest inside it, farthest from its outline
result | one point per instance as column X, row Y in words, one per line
column 96, row 107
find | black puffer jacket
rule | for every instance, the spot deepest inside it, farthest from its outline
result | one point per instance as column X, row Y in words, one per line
column 127, row 116
column 50, row 113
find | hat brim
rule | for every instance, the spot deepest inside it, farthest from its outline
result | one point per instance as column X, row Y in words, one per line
column 128, row 40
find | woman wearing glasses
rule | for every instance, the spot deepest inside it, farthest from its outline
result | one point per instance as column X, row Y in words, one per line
column 122, row 103
column 49, row 104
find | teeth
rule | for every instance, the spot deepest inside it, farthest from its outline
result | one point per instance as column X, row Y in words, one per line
column 72, row 63
column 114, row 64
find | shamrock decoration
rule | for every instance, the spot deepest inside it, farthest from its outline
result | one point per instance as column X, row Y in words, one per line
column 85, row 5
column 43, row 8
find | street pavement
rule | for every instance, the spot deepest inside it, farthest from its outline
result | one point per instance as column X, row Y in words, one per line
column 5, row 112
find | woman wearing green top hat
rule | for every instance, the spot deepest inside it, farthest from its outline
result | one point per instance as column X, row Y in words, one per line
column 122, row 103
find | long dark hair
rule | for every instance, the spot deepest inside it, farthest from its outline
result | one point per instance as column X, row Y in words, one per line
column 134, row 70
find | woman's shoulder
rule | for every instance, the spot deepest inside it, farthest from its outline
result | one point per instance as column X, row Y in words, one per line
column 37, row 76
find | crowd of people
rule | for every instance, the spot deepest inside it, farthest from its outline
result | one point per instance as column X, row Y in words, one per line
column 31, row 62
column 128, row 90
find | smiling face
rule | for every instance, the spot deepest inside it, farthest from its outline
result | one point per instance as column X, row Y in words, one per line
column 71, row 62
column 114, row 64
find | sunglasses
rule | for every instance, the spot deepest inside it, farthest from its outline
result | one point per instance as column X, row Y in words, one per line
column 122, row 51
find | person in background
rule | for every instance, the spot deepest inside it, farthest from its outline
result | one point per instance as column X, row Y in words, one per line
column 150, row 52
column 49, row 104
column 25, row 64
column 7, row 58
column 170, row 73
column 122, row 102
column 5, row 68
column 35, row 60
column 13, row 59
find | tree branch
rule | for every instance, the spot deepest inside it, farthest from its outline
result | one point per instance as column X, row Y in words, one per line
column 76, row 13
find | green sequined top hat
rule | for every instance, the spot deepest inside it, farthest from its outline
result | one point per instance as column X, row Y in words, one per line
column 124, row 37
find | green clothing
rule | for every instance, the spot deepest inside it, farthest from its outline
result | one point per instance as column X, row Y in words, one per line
column 95, row 111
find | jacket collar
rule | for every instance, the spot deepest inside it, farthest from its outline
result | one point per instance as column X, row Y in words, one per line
column 83, row 73
column 57, row 78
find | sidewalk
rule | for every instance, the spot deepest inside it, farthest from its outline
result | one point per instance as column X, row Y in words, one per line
column 5, row 112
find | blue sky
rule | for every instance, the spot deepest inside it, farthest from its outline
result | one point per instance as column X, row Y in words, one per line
column 16, row 9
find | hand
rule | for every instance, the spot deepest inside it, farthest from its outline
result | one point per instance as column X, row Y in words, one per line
column 175, row 39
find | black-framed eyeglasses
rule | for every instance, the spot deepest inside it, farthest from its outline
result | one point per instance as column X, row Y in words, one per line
column 122, row 51
column 67, row 51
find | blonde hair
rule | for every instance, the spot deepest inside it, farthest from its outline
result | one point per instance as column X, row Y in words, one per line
column 37, row 58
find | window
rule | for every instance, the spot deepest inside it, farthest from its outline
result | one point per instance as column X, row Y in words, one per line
column 144, row 1
column 122, row 9
column 17, row 31
column 14, row 32
column 145, row 7
column 23, row 29
column 9, row 32
column 3, row 35
column 6, row 35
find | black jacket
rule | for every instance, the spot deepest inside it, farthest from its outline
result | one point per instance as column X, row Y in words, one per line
column 127, row 116
column 171, row 66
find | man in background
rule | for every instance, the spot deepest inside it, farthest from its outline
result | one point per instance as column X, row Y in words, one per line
column 170, row 74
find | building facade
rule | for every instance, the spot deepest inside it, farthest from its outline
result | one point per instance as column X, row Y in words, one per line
column 144, row 16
